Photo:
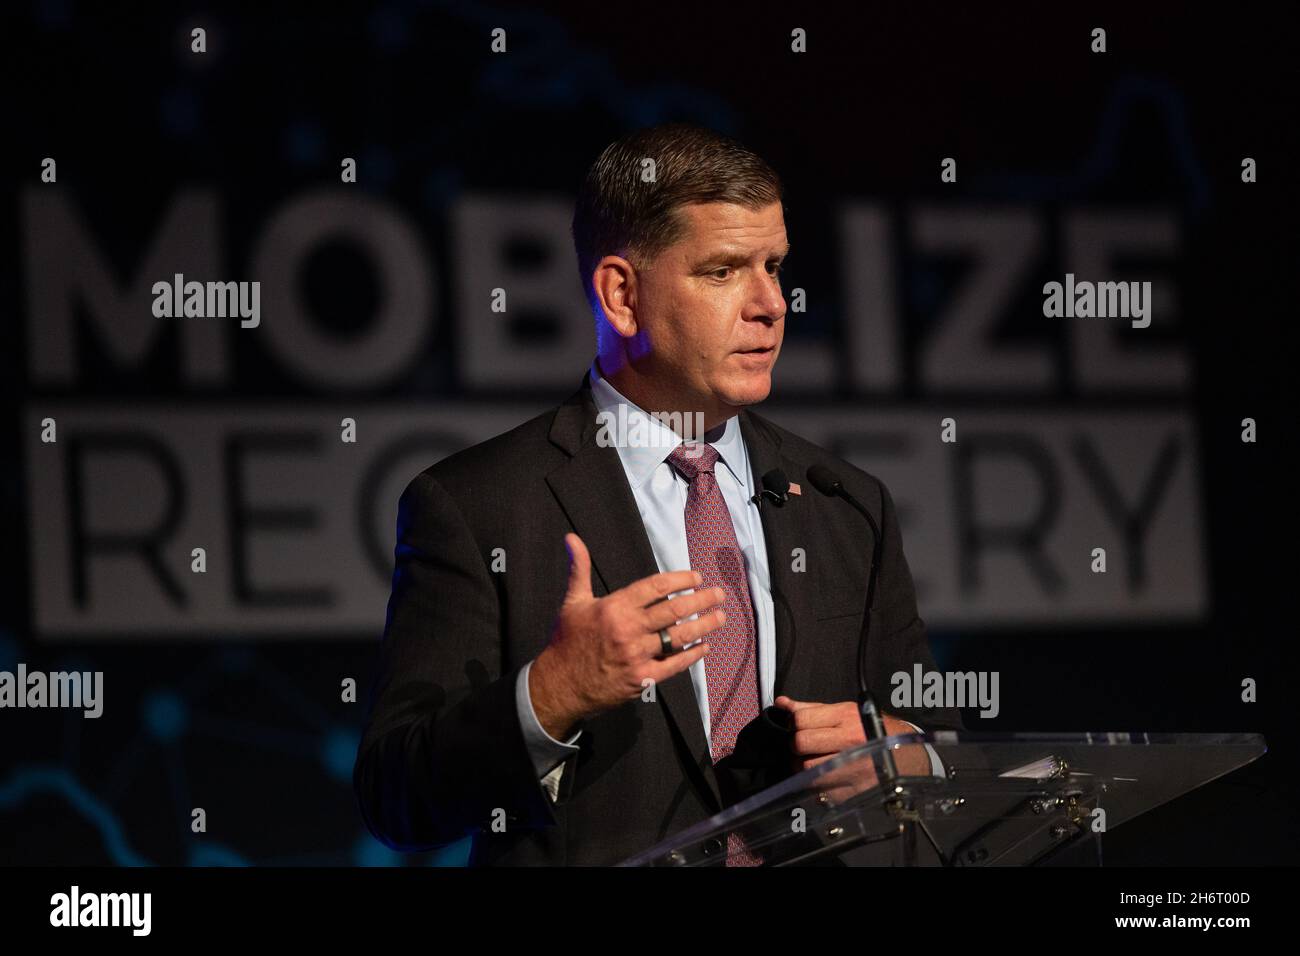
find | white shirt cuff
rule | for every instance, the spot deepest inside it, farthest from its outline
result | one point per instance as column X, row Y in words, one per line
column 547, row 753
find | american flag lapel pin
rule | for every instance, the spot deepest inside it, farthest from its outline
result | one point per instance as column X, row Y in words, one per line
column 795, row 489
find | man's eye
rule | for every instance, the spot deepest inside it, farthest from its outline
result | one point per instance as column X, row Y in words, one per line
column 774, row 268
column 721, row 272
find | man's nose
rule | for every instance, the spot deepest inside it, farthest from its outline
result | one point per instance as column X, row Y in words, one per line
column 766, row 301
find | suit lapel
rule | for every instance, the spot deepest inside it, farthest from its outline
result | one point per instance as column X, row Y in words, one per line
column 785, row 527
column 592, row 489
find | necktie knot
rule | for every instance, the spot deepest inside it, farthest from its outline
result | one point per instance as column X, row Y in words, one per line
column 694, row 459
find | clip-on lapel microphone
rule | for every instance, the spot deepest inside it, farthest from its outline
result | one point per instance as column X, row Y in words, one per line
column 776, row 489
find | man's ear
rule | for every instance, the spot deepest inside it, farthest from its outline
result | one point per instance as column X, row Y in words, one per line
column 614, row 283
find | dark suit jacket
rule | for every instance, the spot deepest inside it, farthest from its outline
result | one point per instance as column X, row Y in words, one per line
column 443, row 748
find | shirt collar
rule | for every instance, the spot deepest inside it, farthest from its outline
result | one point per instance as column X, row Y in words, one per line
column 641, row 460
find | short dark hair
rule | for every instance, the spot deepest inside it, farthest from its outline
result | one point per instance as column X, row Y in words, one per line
column 617, row 212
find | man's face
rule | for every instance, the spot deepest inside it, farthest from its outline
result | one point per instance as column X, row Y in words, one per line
column 709, row 308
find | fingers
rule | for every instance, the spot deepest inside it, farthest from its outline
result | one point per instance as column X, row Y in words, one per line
column 792, row 705
column 657, row 586
column 811, row 716
column 842, row 783
column 667, row 613
column 659, row 671
column 670, row 615
column 818, row 716
column 822, row 729
column 579, row 569
column 828, row 741
column 686, row 632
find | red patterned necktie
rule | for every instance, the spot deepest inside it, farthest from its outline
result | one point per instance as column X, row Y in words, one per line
column 731, row 665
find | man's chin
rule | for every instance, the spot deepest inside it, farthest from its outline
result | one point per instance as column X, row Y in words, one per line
column 748, row 393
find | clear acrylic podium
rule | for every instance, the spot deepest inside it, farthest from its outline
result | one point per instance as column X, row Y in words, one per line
column 996, row 800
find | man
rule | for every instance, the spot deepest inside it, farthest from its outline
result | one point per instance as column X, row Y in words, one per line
column 587, row 611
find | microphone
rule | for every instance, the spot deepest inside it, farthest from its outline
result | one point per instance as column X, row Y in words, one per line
column 776, row 488
column 829, row 484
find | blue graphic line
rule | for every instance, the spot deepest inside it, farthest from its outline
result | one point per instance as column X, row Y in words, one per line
column 1127, row 96
column 166, row 720
column 214, row 854
column 37, row 780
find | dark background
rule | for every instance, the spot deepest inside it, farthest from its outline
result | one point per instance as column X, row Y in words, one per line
column 253, row 730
